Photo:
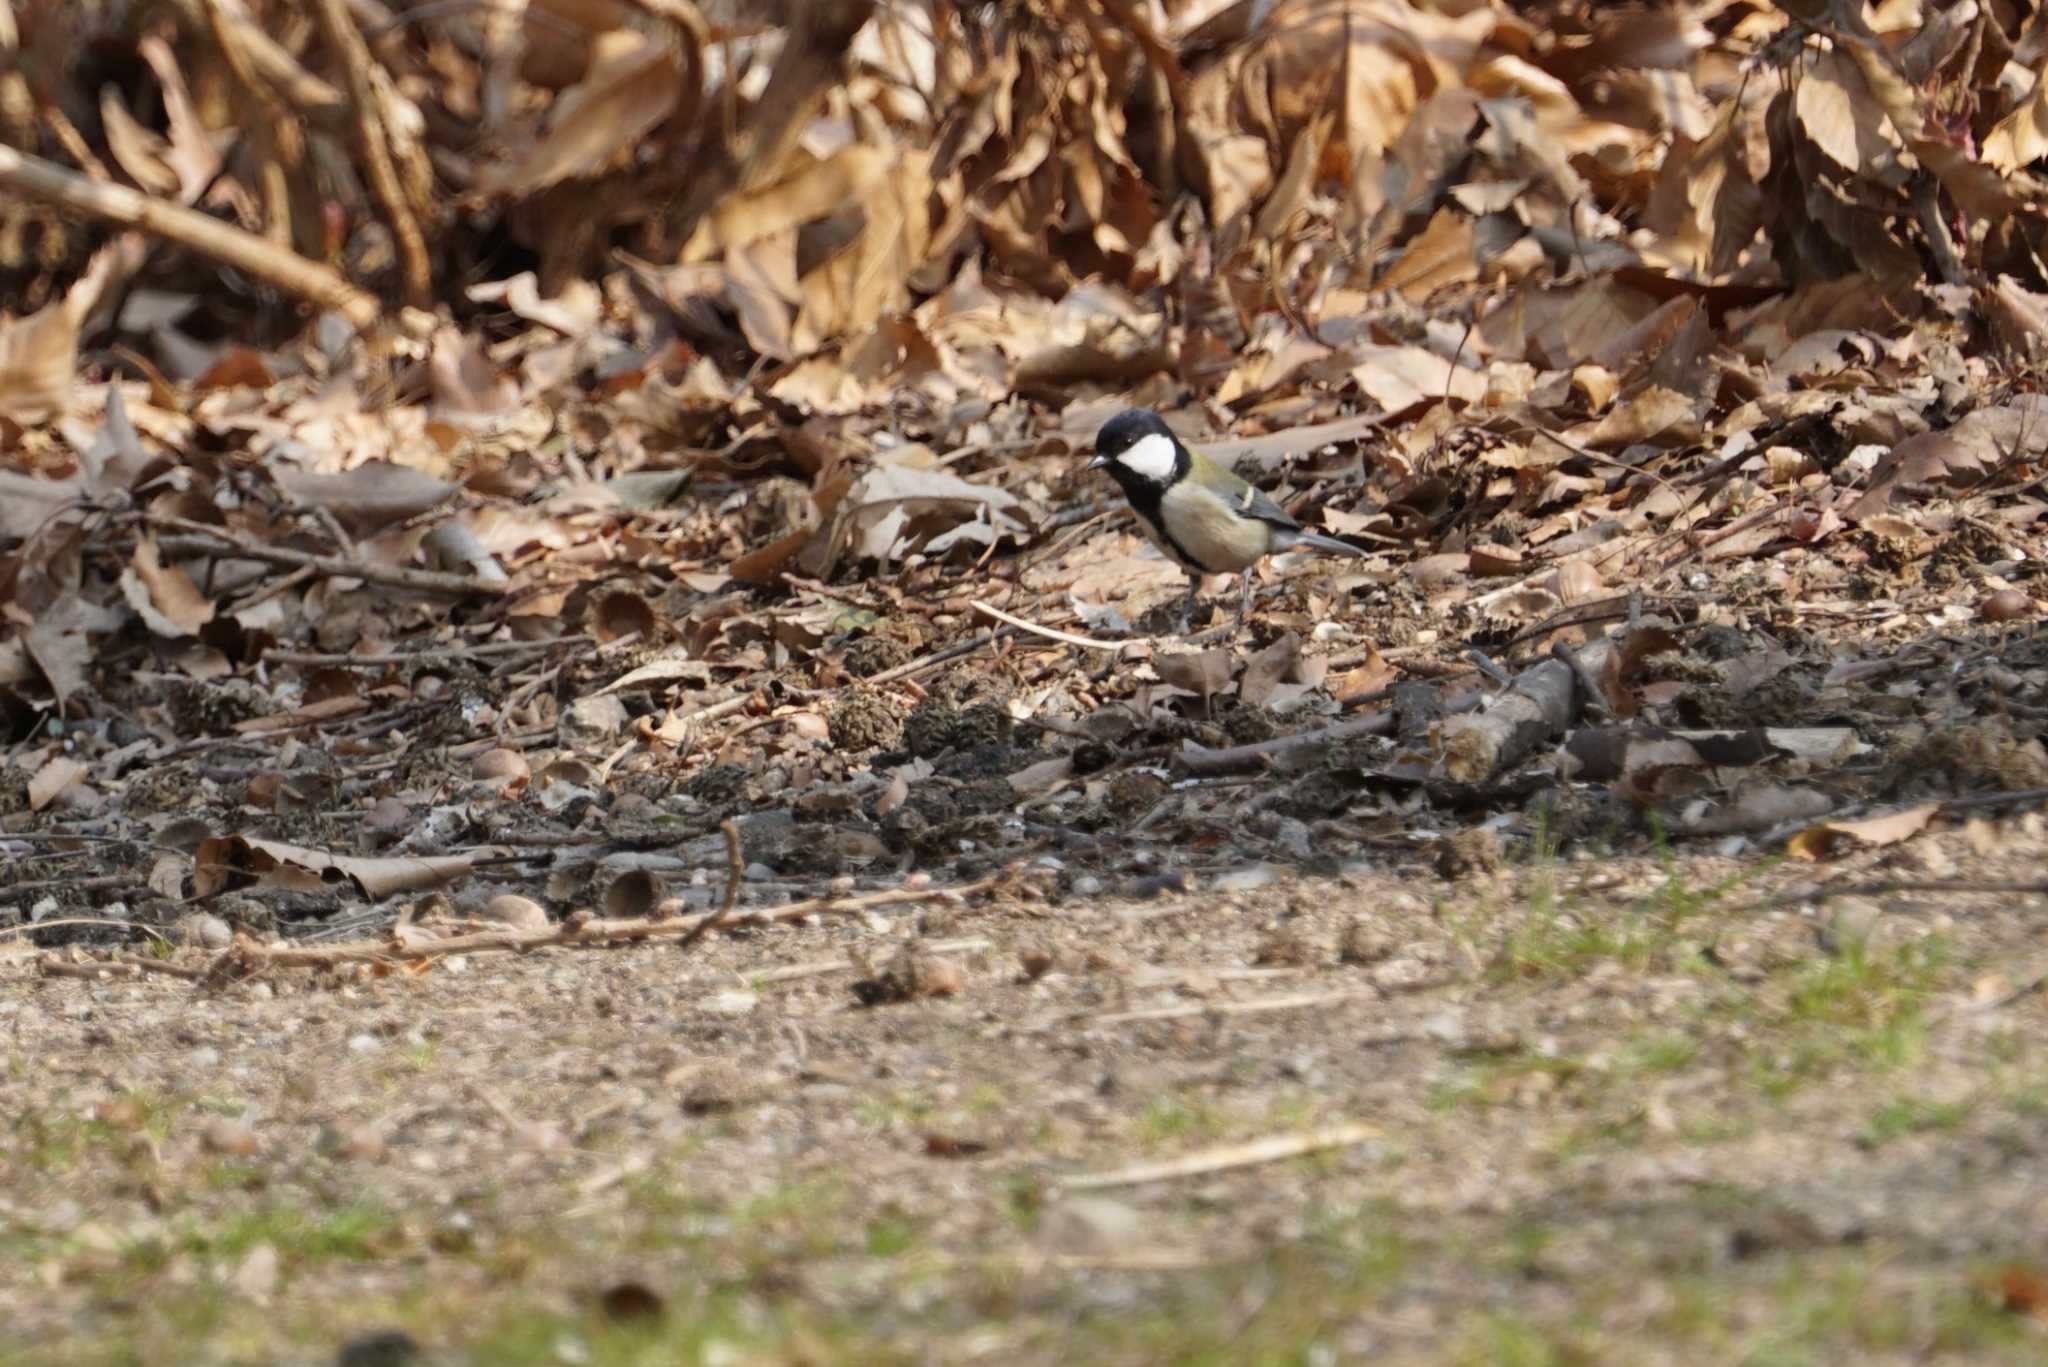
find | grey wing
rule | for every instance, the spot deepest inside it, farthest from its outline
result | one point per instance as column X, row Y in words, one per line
column 1254, row 503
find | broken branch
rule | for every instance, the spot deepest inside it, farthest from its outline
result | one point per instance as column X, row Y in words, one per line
column 103, row 200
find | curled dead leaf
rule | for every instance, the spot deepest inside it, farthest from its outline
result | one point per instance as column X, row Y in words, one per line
column 1818, row 841
column 1204, row 673
column 52, row 779
column 39, row 353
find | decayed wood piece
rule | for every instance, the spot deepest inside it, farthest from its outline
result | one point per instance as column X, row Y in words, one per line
column 1538, row 706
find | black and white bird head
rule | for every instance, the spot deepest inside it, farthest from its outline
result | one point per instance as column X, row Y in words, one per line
column 1139, row 450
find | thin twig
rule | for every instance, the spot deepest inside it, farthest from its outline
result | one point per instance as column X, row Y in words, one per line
column 223, row 545
column 433, row 655
column 1067, row 638
column 1892, row 885
column 2011, row 797
column 2027, row 986
column 735, row 869
column 585, row 932
column 1225, row 1156
column 31, row 926
column 720, row 709
column 119, row 966
column 1293, row 1002
column 939, row 657
column 818, row 968
column 100, row 883
column 372, row 140
column 209, row 236
column 1202, row 761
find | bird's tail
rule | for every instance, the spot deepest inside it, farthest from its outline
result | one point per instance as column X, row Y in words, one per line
column 1323, row 543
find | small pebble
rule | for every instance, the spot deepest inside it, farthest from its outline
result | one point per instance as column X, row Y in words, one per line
column 206, row 930
column 1246, row 880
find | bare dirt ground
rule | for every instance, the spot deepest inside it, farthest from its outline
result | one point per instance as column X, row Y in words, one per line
column 1617, row 1110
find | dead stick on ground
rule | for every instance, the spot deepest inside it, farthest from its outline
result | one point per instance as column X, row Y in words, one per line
column 720, row 709
column 221, row 545
column 735, row 869
column 1269, row 1150
column 2033, row 982
column 1065, row 638
column 938, row 657
column 101, row 883
column 91, row 970
column 432, row 655
column 119, row 966
column 1293, row 1002
column 588, row 932
column 1203, row 762
column 345, row 40
column 50, row 183
column 1888, row 886
column 85, row 920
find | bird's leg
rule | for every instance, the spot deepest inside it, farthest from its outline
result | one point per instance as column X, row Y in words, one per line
column 1187, row 607
column 1244, row 596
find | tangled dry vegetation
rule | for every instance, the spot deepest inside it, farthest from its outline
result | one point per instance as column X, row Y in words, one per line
column 578, row 473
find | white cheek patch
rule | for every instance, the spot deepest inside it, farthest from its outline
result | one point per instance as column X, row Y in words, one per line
column 1150, row 457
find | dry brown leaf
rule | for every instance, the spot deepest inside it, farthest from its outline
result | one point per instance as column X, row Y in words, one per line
column 870, row 277
column 39, row 353
column 59, row 641
column 1818, row 841
column 465, row 383
column 1655, row 415
column 1441, row 254
column 1761, row 807
column 57, row 774
column 895, row 509
column 1836, row 110
column 1265, row 670
column 1398, row 378
column 1923, row 458
column 189, row 149
column 812, row 190
column 2021, row 137
column 1204, row 673
column 220, row 860
column 139, row 151
column 895, row 795
column 632, row 85
column 1374, row 675
column 370, row 497
column 1046, row 776
column 29, row 504
column 164, row 595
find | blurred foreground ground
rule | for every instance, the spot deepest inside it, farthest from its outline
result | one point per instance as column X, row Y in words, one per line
column 1622, row 1111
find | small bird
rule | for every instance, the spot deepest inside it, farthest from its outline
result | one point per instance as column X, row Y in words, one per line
column 1199, row 513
